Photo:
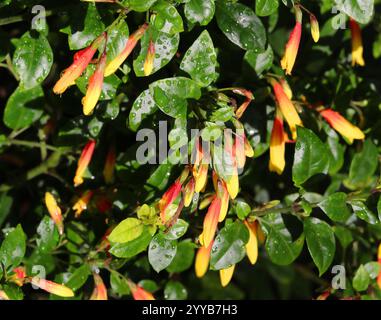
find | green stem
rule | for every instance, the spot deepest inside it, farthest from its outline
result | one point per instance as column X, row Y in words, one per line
column 30, row 144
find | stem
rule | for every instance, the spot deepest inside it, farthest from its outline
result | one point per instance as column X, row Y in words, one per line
column 30, row 144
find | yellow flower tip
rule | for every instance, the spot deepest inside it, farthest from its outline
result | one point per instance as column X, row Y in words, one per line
column 100, row 290
column 252, row 244
column 291, row 49
column 233, row 186
column 189, row 192
column 54, row 211
column 3, row 295
column 315, row 32
column 52, row 287
column 202, row 260
column 81, row 204
column 201, row 177
column 83, row 162
column 277, row 160
column 148, row 63
column 379, row 253
column 226, row 275
column 357, row 45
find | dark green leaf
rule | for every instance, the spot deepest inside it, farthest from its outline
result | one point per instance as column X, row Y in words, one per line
column 79, row 277
column 360, row 10
column 335, row 207
column 12, row 249
column 260, row 61
column 362, row 211
column 184, row 257
column 265, row 7
column 174, row 290
column 167, row 19
column 119, row 284
column 161, row 252
column 48, row 233
column 361, row 279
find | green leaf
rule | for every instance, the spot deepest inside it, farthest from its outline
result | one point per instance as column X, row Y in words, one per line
column 13, row 291
column 184, row 257
column 170, row 94
column 33, row 59
column 127, row 230
column 265, row 7
column 165, row 48
column 373, row 268
column 359, row 10
column 321, row 242
column 5, row 206
column 363, row 166
column 143, row 106
column 23, row 107
column 167, row 19
column 119, row 284
column 229, row 246
column 161, row 252
column 139, row 5
column 79, row 277
column 200, row 60
column 84, row 26
column 241, row 26
column 177, row 230
column 279, row 245
column 378, row 208
column 117, row 38
column 344, row 235
column 361, row 279
column 133, row 247
column 13, row 248
column 242, row 209
column 335, row 207
column 48, row 235
column 311, row 156
column 362, row 211
column 199, row 11
column 260, row 62
column 174, row 290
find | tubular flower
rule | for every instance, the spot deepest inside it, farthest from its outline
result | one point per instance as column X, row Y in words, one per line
column 286, row 88
column 148, row 63
column 83, row 162
column 205, row 202
column 287, row 108
column 379, row 262
column 249, row 151
column 114, row 64
column 292, row 45
column 224, row 196
column 138, row 293
column 19, row 276
column 200, row 169
column 81, row 60
column 315, row 32
column 3, row 295
column 277, row 146
column 202, row 260
column 52, row 287
column 232, row 183
column 94, row 89
column 249, row 97
column 54, row 211
column 226, row 275
column 100, row 290
column 252, row 244
column 108, row 170
column 82, row 202
column 357, row 47
column 211, row 221
column 189, row 192
column 324, row 295
column 239, row 148
column 342, row 125
column 167, row 200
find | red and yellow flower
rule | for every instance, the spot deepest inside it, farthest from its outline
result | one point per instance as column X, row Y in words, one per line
column 148, row 63
column 81, row 60
column 100, row 290
column 54, row 211
column 202, row 260
column 83, row 162
column 226, row 275
column 315, row 32
column 249, row 97
column 357, row 46
column 342, row 125
column 277, row 145
column 252, row 244
column 52, row 287
column 81, row 204
column 108, row 170
column 138, row 293
column 210, row 222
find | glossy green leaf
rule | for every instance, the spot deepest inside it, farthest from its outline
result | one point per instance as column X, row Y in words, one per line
column 344, row 235
column 48, row 235
column 362, row 211
column 229, row 246
column 13, row 248
column 200, row 60
column 23, row 107
column 199, row 11
column 127, row 230
column 161, row 252
column 241, row 26
column 311, row 156
column 335, row 207
column 259, row 62
column 119, row 284
column 117, row 38
column 167, row 19
column 361, row 279
column 139, row 5
column 79, row 277
column 321, row 242
column 174, row 290
column 184, row 257
column 266, row 7
column 32, row 59
column 177, row 230
column 143, row 106
column 241, row 208
column 359, row 10
column 165, row 48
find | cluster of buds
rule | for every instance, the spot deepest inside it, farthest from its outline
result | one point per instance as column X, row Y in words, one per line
column 103, row 68
column 20, row 278
column 292, row 46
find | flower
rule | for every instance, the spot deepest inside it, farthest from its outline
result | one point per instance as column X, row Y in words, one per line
column 202, row 260
column 226, row 275
column 108, row 170
column 189, row 192
column 114, row 64
column 357, row 47
column 292, row 45
column 249, row 151
column 341, row 125
column 277, row 146
column 83, row 162
column 81, row 204
column 286, row 88
column 223, row 194
column 200, row 169
column 52, row 287
column 81, row 60
column 3, row 295
column 100, row 290
column 232, row 182
column 94, row 88
column 19, row 276
column 167, row 200
column 54, row 211
column 249, row 97
column 252, row 244
column 211, row 221
column 148, row 63
column 315, row 32
column 138, row 293
column 239, row 148
column 287, row 108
